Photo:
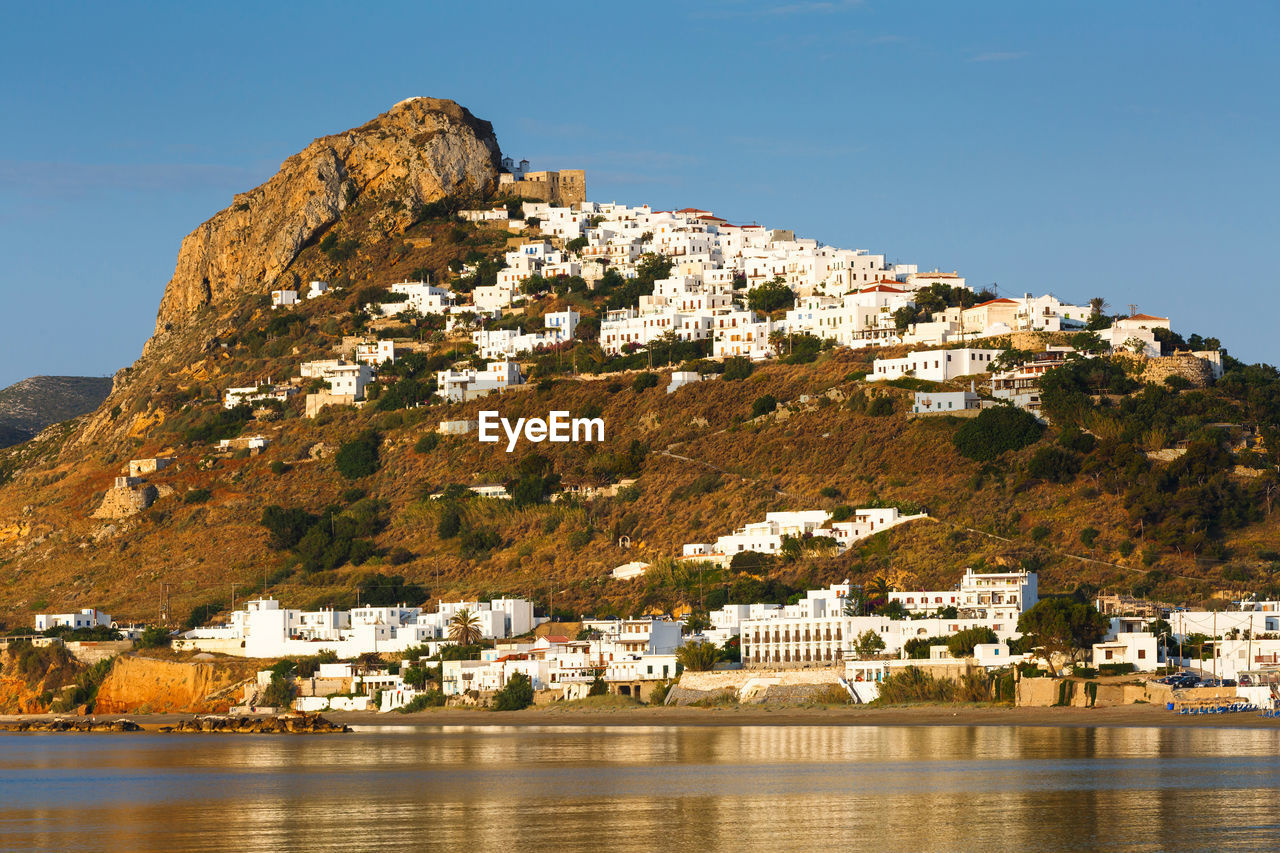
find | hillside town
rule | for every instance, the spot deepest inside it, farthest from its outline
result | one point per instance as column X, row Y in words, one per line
column 739, row 290
column 843, row 635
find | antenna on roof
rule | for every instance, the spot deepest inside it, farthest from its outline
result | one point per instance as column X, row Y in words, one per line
column 1133, row 310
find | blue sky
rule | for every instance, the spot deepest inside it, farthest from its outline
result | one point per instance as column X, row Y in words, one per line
column 1127, row 150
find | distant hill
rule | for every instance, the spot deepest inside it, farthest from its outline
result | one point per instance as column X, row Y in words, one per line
column 29, row 406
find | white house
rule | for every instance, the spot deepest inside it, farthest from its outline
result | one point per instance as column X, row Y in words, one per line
column 419, row 296
column 283, row 298
column 89, row 617
column 945, row 402
column 462, row 385
column 375, row 353
column 250, row 394
column 317, row 288
column 936, row 365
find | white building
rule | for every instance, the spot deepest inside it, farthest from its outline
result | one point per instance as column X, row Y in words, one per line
column 283, row 298
column 89, row 617
column 265, row 630
column 945, row 402
column 250, row 394
column 817, row 632
column 344, row 379
column 768, row 536
column 317, row 288
column 375, row 353
column 468, row 384
column 419, row 296
column 936, row 365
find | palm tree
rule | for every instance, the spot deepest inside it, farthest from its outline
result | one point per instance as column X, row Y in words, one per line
column 464, row 628
column 879, row 589
column 698, row 657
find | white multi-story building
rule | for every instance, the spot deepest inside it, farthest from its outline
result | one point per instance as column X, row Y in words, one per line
column 266, row 630
column 419, row 296
column 508, row 343
column 344, row 378
column 820, row 630
column 250, row 394
column 936, row 365
column 768, row 536
column 468, row 384
column 375, row 353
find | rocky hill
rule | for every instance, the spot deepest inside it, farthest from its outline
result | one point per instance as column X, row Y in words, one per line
column 1161, row 488
column 29, row 406
column 419, row 151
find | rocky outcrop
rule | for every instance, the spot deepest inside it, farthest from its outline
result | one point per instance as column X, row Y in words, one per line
column 421, row 149
column 161, row 686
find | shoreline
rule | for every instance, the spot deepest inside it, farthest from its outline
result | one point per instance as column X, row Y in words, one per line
column 1125, row 716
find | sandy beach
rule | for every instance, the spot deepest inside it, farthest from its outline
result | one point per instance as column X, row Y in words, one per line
column 758, row 715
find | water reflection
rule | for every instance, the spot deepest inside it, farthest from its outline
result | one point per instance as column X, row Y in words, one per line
column 894, row 788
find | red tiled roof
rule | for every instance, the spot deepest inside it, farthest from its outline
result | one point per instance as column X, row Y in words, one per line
column 881, row 288
column 997, row 302
column 1148, row 317
column 556, row 638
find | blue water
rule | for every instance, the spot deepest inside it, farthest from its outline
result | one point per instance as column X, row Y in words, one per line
column 679, row 788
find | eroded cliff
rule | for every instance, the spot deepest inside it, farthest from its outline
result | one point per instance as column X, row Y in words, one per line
column 422, row 149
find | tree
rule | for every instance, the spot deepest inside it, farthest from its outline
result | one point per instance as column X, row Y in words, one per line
column 153, row 637
column 450, row 523
column 644, row 381
column 962, row 643
column 517, row 694
column 771, row 296
column 1062, row 628
column 464, row 628
column 736, row 367
column 599, row 687
column 868, row 643
column 358, row 458
column 763, row 405
column 996, row 431
column 698, row 657
column 415, row 676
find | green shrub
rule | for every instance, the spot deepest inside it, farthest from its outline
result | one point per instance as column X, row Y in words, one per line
column 153, row 637
column 1054, row 465
column 426, row 443
column 1088, row 536
column 763, row 405
column 196, row 496
column 278, row 467
column 423, row 701
column 359, row 457
column 880, row 406
column 645, row 381
column 516, row 695
column 736, row 368
column 995, row 432
column 1116, row 668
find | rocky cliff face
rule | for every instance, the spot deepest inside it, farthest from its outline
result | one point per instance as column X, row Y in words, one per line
column 422, row 149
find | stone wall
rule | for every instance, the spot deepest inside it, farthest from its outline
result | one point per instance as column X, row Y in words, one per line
column 754, row 685
column 121, row 503
column 1195, row 370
